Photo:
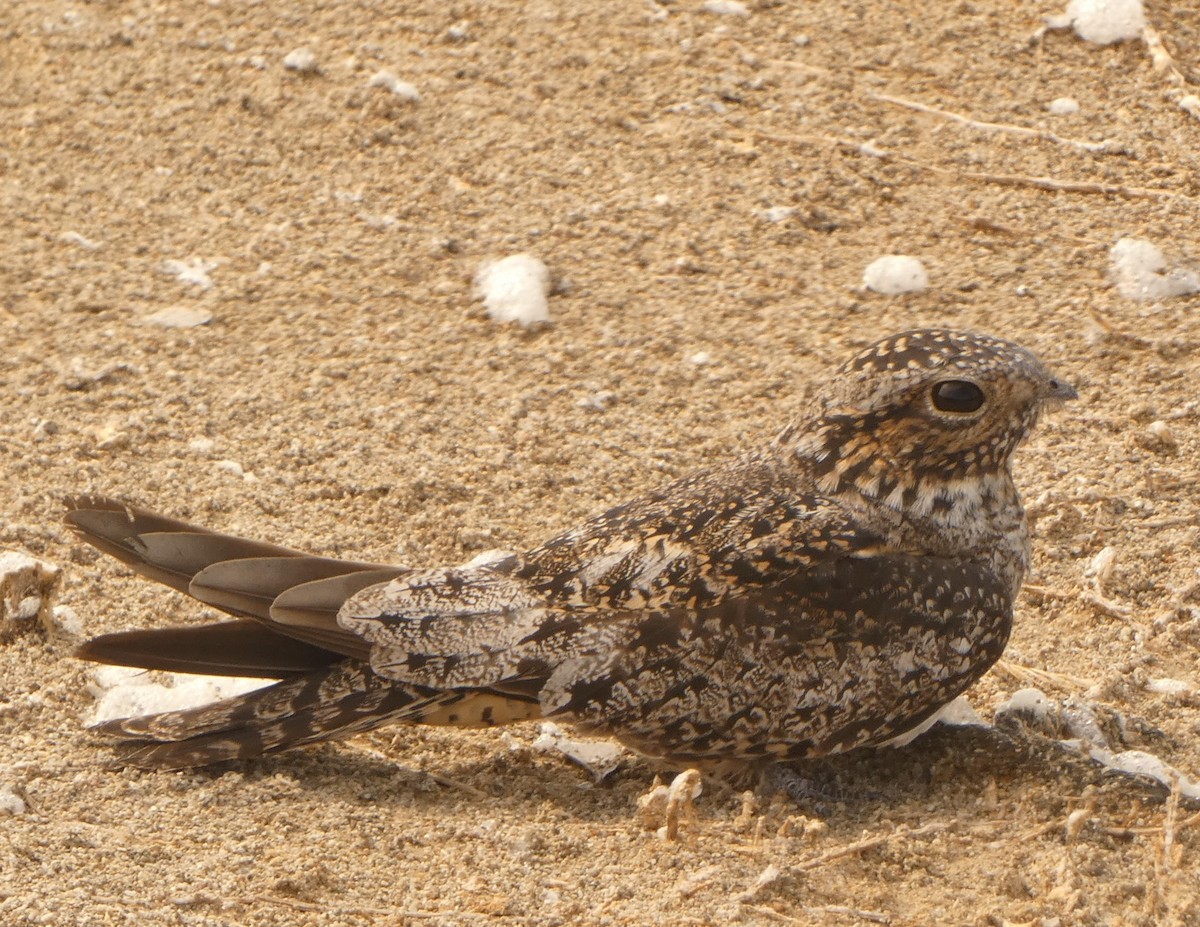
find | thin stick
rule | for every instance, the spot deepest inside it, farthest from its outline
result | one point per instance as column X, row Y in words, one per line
column 868, row 843
column 376, row 912
column 1004, row 180
column 436, row 777
column 879, row 917
column 1164, row 64
column 1146, row 831
column 1027, row 674
column 1093, row 147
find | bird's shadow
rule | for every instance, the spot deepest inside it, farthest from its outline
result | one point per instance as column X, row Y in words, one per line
column 953, row 767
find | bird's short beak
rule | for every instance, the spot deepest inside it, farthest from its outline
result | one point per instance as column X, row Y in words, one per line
column 1060, row 390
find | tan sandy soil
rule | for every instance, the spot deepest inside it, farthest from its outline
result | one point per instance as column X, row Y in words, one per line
column 378, row 414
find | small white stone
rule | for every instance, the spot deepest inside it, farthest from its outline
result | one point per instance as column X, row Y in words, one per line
column 302, row 60
column 515, row 289
column 74, row 238
column 202, row 446
column 1168, row 686
column 725, row 8
column 1106, row 21
column 400, row 88
column 67, row 620
column 135, row 694
column 893, row 274
column 27, row 586
column 599, row 757
column 230, row 466
column 700, row 359
column 778, row 213
column 1140, row 271
column 179, row 317
column 1033, row 701
column 193, row 270
column 1101, row 566
column 1063, row 106
column 10, row 801
column 1162, row 435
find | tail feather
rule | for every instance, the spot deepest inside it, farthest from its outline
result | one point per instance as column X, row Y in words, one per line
column 311, row 604
column 239, row 576
column 227, row 648
column 252, row 584
column 286, row 605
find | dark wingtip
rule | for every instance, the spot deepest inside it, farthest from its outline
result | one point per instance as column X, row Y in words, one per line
column 227, row 648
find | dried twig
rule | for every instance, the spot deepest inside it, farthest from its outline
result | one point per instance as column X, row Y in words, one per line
column 878, row 917
column 867, row 843
column 1146, row 831
column 1164, row 64
column 1004, row 180
column 364, row 911
column 1169, row 829
column 1093, row 147
column 1048, row 678
column 436, row 777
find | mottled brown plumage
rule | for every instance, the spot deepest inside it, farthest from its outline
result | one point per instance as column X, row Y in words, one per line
column 829, row 591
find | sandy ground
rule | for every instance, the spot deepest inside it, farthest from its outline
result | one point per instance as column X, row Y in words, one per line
column 376, row 413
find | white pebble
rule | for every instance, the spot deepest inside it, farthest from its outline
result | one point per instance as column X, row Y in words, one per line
column 26, row 586
column 67, row 620
column 1063, row 106
column 1162, row 435
column 896, row 273
column 514, row 289
column 1139, row 270
column 179, row 317
column 193, row 270
column 1033, row 701
column 1101, row 566
column 202, row 446
column 401, row 88
column 10, row 801
column 725, row 8
column 302, row 60
column 138, row 696
column 74, row 238
column 778, row 213
column 230, row 466
column 1107, row 21
column 1168, row 686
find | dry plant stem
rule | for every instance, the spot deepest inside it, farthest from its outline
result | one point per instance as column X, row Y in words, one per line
column 1093, row 147
column 436, row 777
column 868, row 843
column 1168, row 841
column 376, row 912
column 1029, row 674
column 878, row 917
column 1004, row 180
column 1145, row 831
column 1164, row 64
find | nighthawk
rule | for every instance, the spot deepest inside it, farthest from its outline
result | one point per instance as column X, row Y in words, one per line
column 828, row 591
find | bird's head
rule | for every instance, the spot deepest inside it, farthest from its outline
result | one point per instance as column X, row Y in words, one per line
column 924, row 406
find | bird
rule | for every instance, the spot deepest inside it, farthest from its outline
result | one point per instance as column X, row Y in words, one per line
column 829, row 590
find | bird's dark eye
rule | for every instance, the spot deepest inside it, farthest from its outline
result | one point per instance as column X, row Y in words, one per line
column 957, row 396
